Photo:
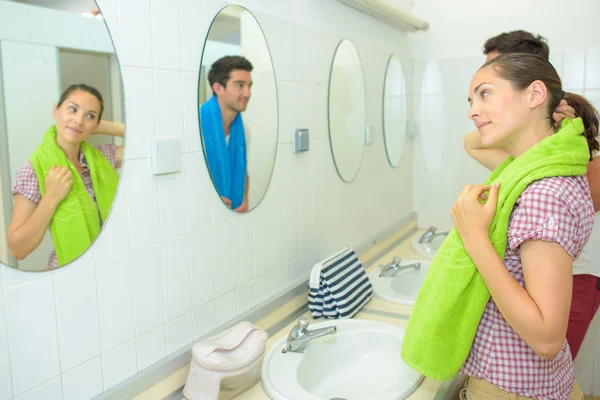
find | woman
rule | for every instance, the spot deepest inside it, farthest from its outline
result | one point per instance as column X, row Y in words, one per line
column 67, row 185
column 520, row 347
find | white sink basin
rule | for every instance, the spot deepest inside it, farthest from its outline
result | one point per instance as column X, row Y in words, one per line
column 360, row 362
column 403, row 287
column 427, row 249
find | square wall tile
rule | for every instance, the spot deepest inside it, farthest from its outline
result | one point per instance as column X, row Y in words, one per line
column 141, row 128
column 198, row 191
column 202, row 267
column 51, row 390
column 169, row 101
column 244, row 249
column 173, row 210
column 204, row 319
column 142, row 202
column 166, row 34
column 151, row 347
column 148, row 290
column 179, row 333
column 192, row 30
column 225, row 308
column 135, row 31
column 77, row 315
column 263, row 245
column 31, row 319
column 119, row 364
column 592, row 68
column 115, row 301
column 262, row 288
column 244, row 296
column 83, row 382
column 176, row 272
column 574, row 69
column 224, row 258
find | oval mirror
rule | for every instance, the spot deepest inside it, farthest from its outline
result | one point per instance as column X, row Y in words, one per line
column 61, row 130
column 347, row 110
column 394, row 110
column 238, row 110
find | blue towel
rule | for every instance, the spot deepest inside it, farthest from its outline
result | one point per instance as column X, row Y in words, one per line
column 338, row 286
column 227, row 164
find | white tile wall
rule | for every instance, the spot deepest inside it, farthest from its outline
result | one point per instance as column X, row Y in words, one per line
column 51, row 390
column 83, row 382
column 115, row 301
column 119, row 364
column 32, row 331
column 172, row 263
column 151, row 347
column 77, row 315
column 148, row 290
column 179, row 333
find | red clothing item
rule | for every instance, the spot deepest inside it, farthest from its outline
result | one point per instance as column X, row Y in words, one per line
column 584, row 305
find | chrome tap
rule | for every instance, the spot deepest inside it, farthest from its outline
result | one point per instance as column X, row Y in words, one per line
column 392, row 269
column 430, row 234
column 299, row 336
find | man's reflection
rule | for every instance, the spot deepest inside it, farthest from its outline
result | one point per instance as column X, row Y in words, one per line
column 224, row 135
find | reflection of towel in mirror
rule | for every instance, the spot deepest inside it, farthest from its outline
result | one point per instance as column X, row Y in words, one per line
column 226, row 163
column 453, row 296
column 75, row 223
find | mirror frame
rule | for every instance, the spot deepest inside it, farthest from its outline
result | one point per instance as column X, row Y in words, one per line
column 200, row 75
column 385, row 140
column 337, row 47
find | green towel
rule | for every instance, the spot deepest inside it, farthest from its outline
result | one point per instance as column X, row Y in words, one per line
column 75, row 223
column 453, row 296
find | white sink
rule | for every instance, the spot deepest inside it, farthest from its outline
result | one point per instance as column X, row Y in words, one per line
column 360, row 362
column 427, row 249
column 403, row 287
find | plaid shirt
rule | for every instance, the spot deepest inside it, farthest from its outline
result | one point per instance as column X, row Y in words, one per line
column 558, row 209
column 27, row 184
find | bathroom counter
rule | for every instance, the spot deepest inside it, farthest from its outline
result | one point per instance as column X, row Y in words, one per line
column 375, row 310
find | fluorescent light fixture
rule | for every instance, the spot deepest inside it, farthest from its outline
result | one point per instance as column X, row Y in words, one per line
column 389, row 14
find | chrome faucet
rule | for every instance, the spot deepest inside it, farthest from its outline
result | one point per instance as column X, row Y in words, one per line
column 392, row 269
column 299, row 336
column 430, row 234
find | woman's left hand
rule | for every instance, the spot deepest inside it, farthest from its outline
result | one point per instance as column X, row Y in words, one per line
column 471, row 218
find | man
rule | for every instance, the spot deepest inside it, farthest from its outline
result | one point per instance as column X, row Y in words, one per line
column 223, row 133
column 586, row 273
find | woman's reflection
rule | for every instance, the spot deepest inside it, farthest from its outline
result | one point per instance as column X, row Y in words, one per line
column 67, row 185
column 224, row 134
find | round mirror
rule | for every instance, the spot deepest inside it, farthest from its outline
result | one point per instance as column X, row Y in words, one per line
column 347, row 110
column 61, row 131
column 238, row 112
column 394, row 110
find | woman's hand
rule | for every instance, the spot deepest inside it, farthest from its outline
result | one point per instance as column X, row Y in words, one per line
column 58, row 183
column 564, row 110
column 471, row 218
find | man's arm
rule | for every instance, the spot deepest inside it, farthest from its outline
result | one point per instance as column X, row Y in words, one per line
column 489, row 158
